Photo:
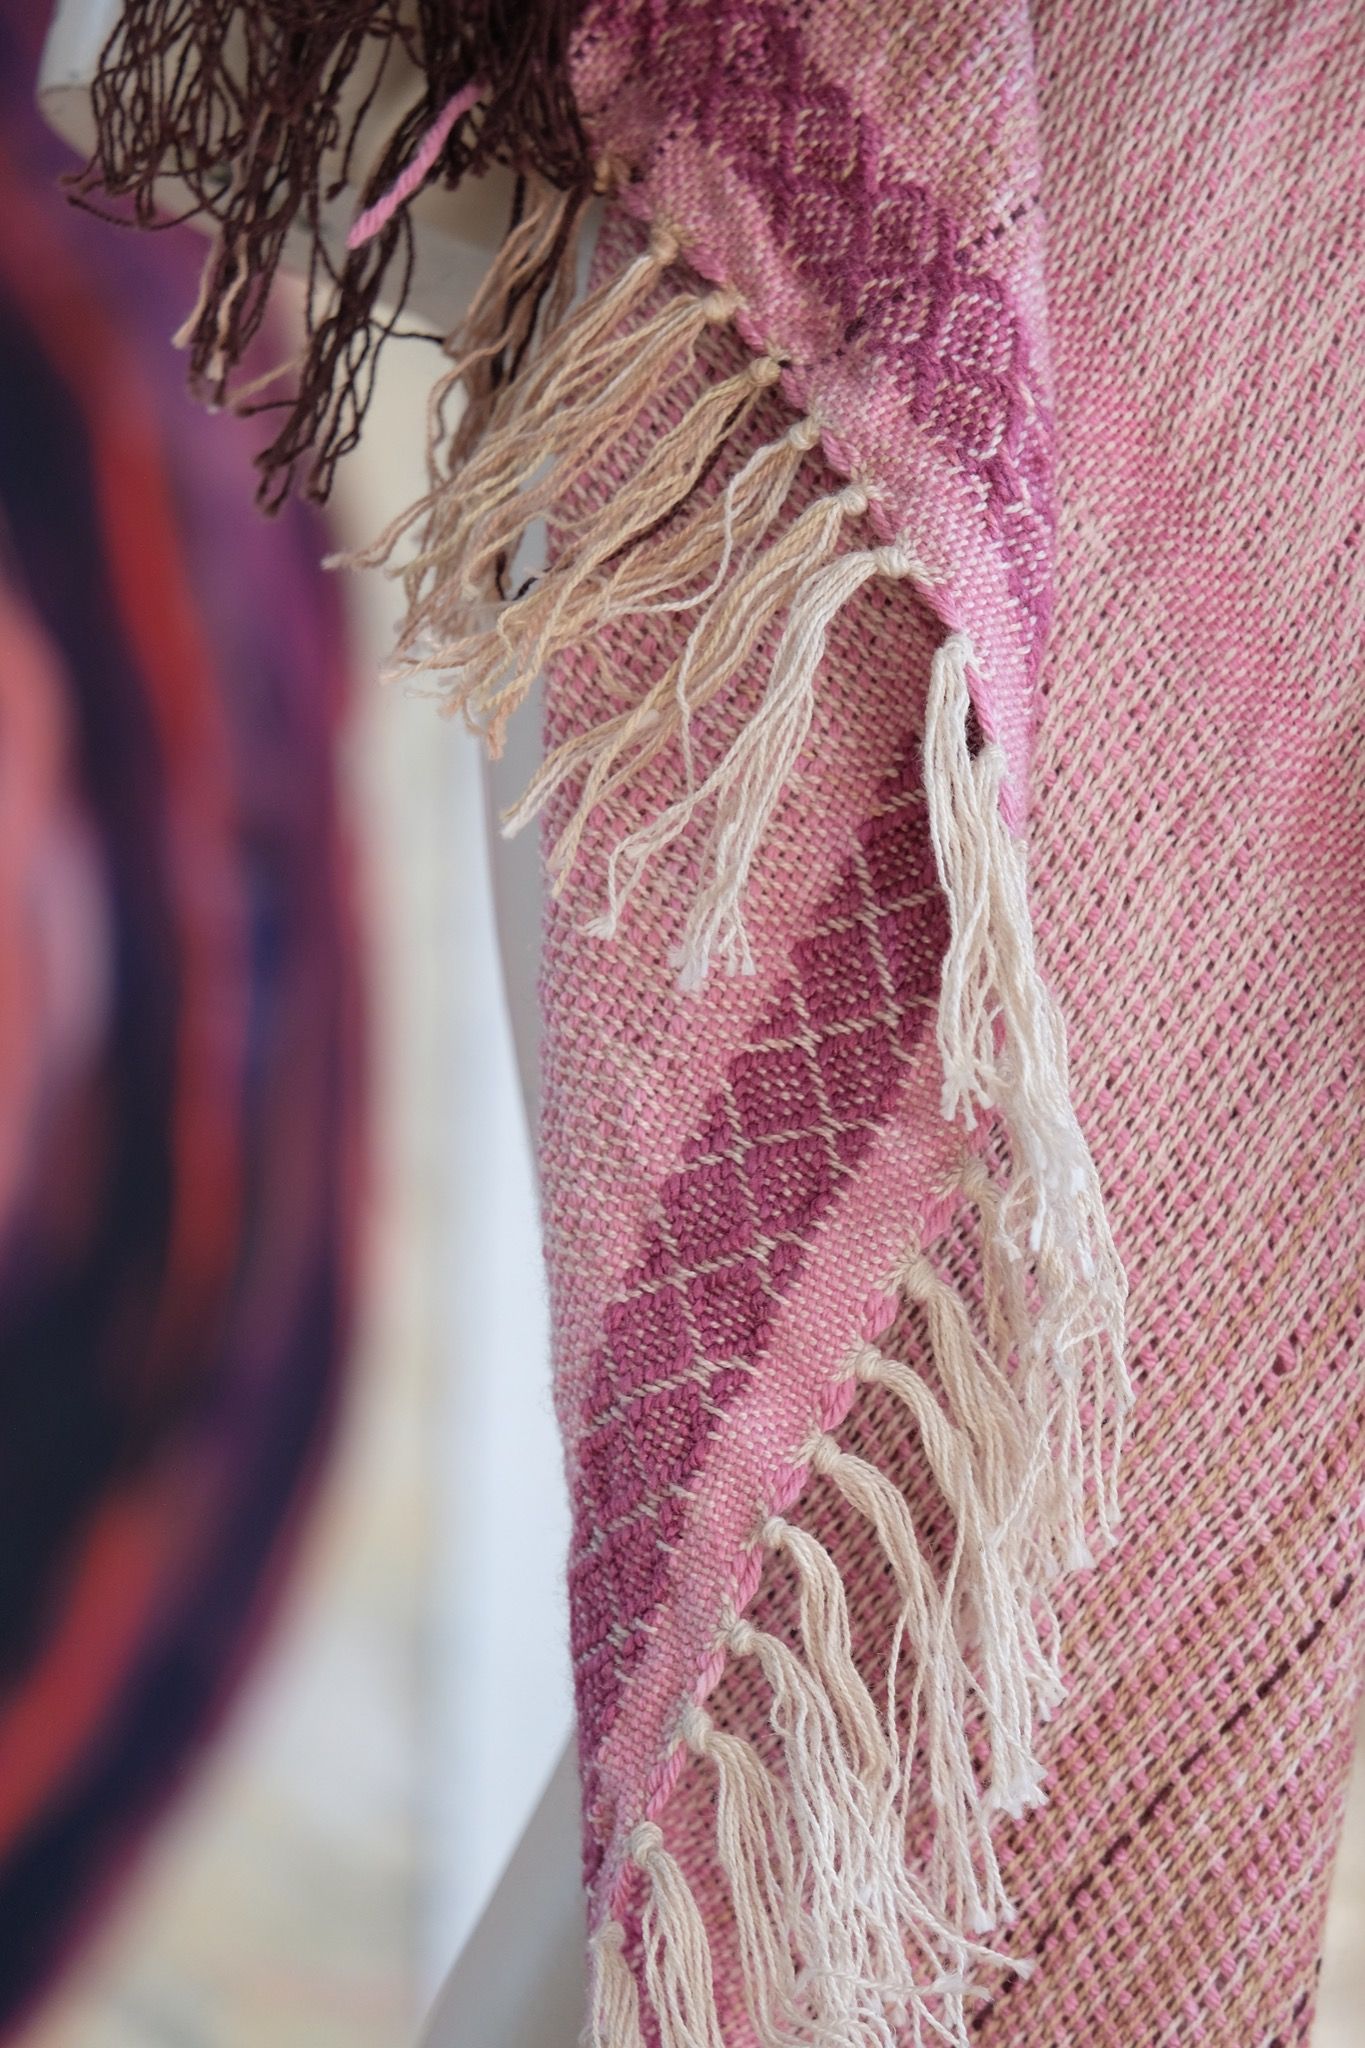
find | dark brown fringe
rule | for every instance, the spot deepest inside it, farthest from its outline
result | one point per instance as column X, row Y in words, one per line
column 242, row 103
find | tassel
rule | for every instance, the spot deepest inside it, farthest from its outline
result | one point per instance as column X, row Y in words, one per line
column 750, row 781
column 494, row 670
column 584, row 389
column 676, row 1948
column 1003, row 1050
column 728, row 629
column 964, row 1877
column 747, row 784
column 754, row 1848
column 614, row 2012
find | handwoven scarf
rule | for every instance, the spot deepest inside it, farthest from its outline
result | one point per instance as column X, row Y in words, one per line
column 891, row 534
column 178, row 1060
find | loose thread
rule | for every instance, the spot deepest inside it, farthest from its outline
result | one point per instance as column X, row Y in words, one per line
column 369, row 223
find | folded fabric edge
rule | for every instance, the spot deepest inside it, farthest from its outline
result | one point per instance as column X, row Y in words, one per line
column 838, row 1937
column 836, row 1933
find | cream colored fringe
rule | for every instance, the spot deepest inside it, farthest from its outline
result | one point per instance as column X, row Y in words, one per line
column 840, row 1942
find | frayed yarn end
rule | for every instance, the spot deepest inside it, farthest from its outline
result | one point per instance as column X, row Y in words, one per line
column 260, row 113
column 735, row 564
column 842, row 1938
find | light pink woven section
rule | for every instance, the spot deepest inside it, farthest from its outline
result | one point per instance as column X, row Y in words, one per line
column 728, row 1142
column 1199, row 869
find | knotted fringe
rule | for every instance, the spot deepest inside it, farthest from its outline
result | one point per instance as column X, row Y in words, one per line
column 840, row 1941
column 723, row 559
column 842, row 1938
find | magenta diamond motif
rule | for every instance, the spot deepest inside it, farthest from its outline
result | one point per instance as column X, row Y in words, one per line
column 776, row 1144
column 873, row 248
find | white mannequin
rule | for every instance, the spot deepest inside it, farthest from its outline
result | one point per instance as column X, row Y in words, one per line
column 518, row 1981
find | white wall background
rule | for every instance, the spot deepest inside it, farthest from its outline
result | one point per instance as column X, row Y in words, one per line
column 496, row 1686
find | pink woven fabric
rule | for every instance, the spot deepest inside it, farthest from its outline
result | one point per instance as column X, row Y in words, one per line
column 730, row 1174
column 889, row 247
column 952, row 625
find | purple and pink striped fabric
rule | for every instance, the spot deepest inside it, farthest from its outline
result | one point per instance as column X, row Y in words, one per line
column 179, row 1110
column 1148, row 426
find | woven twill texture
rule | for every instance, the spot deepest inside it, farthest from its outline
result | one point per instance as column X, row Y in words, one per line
column 895, row 262
column 731, row 1174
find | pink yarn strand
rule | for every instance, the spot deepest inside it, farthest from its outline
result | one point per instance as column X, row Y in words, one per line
column 369, row 223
